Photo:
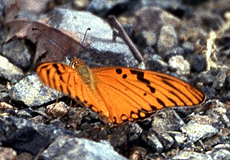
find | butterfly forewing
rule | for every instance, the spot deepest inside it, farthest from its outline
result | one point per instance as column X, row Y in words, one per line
column 60, row 77
column 119, row 93
column 67, row 80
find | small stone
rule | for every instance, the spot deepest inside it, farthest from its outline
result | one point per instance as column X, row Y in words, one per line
column 196, row 131
column 188, row 47
column 4, row 105
column 198, row 63
column 165, row 121
column 173, row 52
column 192, row 155
column 210, row 93
column 25, row 156
column 178, row 137
column 202, row 119
column 166, row 140
column 220, row 151
column 97, row 6
column 7, row 153
column 167, row 39
column 9, row 71
column 156, row 63
column 134, row 132
column 80, row 4
column 153, row 18
column 33, row 137
column 152, row 141
column 17, row 53
column 56, row 110
column 137, row 153
column 149, row 38
column 220, row 78
column 181, row 65
column 207, row 77
column 4, row 96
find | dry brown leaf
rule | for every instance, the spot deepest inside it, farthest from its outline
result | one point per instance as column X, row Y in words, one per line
column 51, row 44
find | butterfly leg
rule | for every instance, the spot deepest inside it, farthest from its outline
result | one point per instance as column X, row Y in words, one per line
column 76, row 117
column 78, row 102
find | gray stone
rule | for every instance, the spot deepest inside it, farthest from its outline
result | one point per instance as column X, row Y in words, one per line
column 220, row 151
column 149, row 38
column 198, row 63
column 181, row 65
column 167, row 39
column 98, row 39
column 9, row 71
column 188, row 47
column 65, row 147
column 2, row 5
column 173, row 52
column 166, row 140
column 98, row 6
column 32, row 92
column 17, row 53
column 166, row 120
column 207, row 77
column 179, row 138
column 152, row 141
column 196, row 131
column 27, row 136
column 220, row 78
column 7, row 153
column 183, row 155
column 153, row 18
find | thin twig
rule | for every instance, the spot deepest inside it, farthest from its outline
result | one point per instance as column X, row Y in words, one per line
column 115, row 24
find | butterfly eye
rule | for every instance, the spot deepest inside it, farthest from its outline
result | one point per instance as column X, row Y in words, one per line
column 73, row 63
column 76, row 62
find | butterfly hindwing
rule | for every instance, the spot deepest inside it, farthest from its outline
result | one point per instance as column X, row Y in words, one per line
column 133, row 92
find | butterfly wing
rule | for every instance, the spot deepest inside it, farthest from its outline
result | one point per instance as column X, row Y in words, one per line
column 131, row 93
column 62, row 78
column 119, row 93
column 68, row 80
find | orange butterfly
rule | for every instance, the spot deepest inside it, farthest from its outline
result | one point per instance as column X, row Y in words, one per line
column 119, row 93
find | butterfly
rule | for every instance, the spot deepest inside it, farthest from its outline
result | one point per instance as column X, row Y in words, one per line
column 118, row 93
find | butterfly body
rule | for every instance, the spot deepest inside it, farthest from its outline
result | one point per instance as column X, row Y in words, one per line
column 86, row 75
column 119, row 93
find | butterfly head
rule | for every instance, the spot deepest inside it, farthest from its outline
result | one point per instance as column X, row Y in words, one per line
column 76, row 62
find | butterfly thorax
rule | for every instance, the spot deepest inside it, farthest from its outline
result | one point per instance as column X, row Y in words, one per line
column 84, row 71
